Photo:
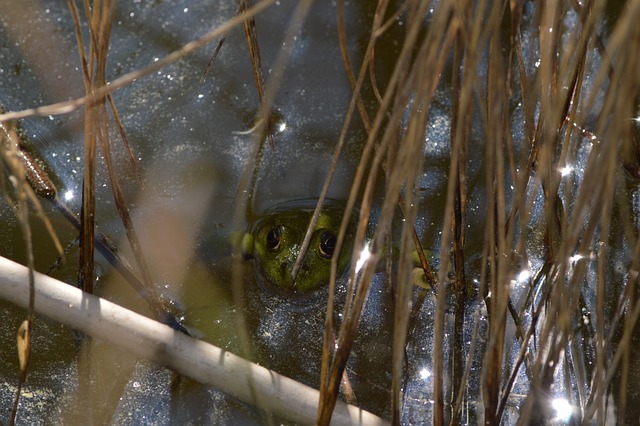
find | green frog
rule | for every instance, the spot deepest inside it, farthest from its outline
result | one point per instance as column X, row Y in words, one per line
column 274, row 241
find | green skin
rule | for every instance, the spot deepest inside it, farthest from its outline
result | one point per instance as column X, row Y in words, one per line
column 274, row 242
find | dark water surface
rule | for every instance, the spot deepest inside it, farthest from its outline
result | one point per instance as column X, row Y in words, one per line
column 191, row 137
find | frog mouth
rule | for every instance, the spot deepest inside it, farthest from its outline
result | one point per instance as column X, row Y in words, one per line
column 287, row 288
column 293, row 298
column 292, row 294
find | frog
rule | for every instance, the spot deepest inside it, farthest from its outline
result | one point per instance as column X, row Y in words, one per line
column 274, row 239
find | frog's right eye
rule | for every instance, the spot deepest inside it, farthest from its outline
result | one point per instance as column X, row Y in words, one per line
column 273, row 238
column 327, row 244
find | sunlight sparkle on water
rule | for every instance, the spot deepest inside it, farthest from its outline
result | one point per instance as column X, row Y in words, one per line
column 425, row 374
column 364, row 256
column 563, row 409
column 282, row 126
column 68, row 195
column 575, row 258
column 524, row 275
column 565, row 171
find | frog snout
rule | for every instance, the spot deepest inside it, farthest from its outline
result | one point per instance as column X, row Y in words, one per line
column 288, row 266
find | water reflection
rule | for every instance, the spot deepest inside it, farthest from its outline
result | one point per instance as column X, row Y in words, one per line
column 566, row 171
column 563, row 409
column 524, row 275
column 424, row 374
column 364, row 256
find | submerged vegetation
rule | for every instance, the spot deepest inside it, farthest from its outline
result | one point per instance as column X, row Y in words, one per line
column 501, row 135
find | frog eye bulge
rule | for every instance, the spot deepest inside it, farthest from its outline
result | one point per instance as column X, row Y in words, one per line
column 327, row 244
column 273, row 238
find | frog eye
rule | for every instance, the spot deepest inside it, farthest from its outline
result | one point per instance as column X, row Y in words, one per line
column 327, row 244
column 273, row 238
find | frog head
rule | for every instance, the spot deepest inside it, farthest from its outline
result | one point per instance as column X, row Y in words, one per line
column 275, row 238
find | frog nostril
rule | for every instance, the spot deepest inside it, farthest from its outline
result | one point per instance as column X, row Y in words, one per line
column 283, row 267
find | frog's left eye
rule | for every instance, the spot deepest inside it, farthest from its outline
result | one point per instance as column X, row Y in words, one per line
column 273, row 238
column 327, row 244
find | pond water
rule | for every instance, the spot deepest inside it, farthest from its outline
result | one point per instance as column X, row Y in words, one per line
column 191, row 135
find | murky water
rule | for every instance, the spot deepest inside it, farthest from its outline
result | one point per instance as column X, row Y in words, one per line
column 191, row 137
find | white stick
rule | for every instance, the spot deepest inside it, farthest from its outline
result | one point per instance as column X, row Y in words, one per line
column 149, row 339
